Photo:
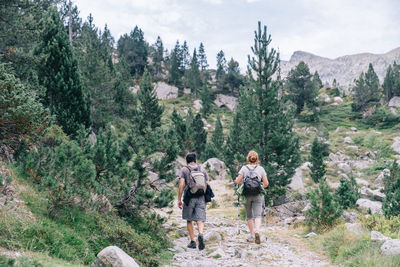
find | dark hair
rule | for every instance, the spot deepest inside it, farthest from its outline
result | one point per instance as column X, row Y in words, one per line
column 190, row 157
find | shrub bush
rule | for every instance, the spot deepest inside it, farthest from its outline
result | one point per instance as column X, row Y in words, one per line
column 347, row 193
column 391, row 203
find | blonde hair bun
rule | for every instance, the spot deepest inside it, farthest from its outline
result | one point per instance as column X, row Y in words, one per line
column 252, row 157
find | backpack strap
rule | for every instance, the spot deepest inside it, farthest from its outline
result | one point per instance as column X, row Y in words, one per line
column 252, row 169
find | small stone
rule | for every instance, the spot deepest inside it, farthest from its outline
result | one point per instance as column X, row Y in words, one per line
column 212, row 236
column 310, row 235
column 355, row 228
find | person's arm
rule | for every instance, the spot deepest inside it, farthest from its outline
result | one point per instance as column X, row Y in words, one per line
column 239, row 179
column 180, row 191
column 265, row 181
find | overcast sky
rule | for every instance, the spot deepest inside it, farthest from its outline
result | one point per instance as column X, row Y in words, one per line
column 328, row 28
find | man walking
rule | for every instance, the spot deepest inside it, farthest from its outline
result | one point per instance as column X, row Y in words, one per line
column 193, row 181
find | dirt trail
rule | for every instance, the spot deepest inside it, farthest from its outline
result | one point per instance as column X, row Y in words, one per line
column 278, row 248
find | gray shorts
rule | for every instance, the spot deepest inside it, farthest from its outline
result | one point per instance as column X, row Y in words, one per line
column 254, row 205
column 196, row 210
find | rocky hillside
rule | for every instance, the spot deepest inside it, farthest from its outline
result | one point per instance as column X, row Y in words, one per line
column 344, row 69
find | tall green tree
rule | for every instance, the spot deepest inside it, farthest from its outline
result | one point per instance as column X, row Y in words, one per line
column 58, row 69
column 366, row 90
column 391, row 83
column 214, row 148
column 180, row 128
column 186, row 60
column 158, row 58
column 206, row 99
column 134, row 49
column 221, row 70
column 347, row 193
column 233, row 79
column 176, row 66
column 194, row 80
column 318, row 166
column 302, row 90
column 391, row 204
column 317, row 80
column 261, row 122
column 199, row 134
column 150, row 111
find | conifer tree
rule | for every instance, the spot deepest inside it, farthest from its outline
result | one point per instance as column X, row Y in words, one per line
column 123, row 98
column 199, row 135
column 317, row 80
column 202, row 58
column 347, row 193
column 221, row 70
column 179, row 126
column 206, row 99
column 214, row 147
column 186, row 60
column 233, row 80
column 177, row 68
column 65, row 95
column 391, row 83
column 261, row 122
column 324, row 211
column 194, row 81
column 301, row 87
column 366, row 89
column 391, row 204
column 318, row 167
column 150, row 111
column 158, row 58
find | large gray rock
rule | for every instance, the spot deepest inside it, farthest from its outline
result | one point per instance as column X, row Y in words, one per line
column 396, row 145
column 378, row 237
column 362, row 182
column 230, row 102
column 348, row 140
column 391, row 247
column 324, row 98
column 337, row 99
column 374, row 206
column 355, row 228
column 197, row 104
column 113, row 256
column 332, row 185
column 369, row 193
column 349, row 216
column 165, row 91
column 215, row 164
column 381, row 177
column 212, row 236
column 394, row 102
column 291, row 209
column 297, row 179
column 343, row 166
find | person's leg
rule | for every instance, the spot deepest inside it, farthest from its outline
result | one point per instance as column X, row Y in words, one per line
column 190, row 230
column 257, row 211
column 200, row 227
column 250, row 224
column 257, row 224
column 249, row 214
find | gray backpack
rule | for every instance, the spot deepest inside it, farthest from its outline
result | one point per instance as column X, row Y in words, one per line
column 197, row 182
column 251, row 183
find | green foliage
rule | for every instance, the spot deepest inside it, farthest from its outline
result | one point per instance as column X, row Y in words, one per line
column 262, row 123
column 134, row 49
column 21, row 115
column 232, row 79
column 221, row 70
column 199, row 135
column 158, row 58
column 214, row 148
column 347, row 193
column 301, row 88
column 382, row 118
column 318, row 167
column 150, row 111
column 389, row 226
column 366, row 90
column 391, row 203
column 324, row 211
column 391, row 83
column 317, row 80
column 206, row 100
column 58, row 69
column 176, row 66
column 375, row 142
column 19, row 262
column 193, row 79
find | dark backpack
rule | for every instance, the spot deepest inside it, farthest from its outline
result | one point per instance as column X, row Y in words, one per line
column 251, row 182
column 197, row 182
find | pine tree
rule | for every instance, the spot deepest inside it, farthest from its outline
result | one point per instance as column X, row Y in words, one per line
column 391, row 83
column 199, row 135
column 186, row 60
column 150, row 111
column 317, row 80
column 177, row 68
column 324, row 211
column 158, row 57
column 233, row 80
column 65, row 95
column 194, row 80
column 347, row 193
column 366, row 90
column 261, row 123
column 202, row 57
column 221, row 70
column 179, row 126
column 318, row 167
column 391, row 204
column 301, row 87
column 206, row 99
column 215, row 147
column 134, row 49
column 123, row 98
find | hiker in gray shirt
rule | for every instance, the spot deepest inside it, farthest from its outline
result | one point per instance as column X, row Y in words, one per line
column 255, row 200
column 194, row 205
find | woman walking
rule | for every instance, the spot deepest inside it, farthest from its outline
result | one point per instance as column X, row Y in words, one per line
column 253, row 176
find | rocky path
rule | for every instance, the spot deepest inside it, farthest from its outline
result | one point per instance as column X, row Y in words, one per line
column 226, row 247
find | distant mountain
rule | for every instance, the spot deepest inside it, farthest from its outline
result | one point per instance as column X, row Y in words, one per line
column 344, row 69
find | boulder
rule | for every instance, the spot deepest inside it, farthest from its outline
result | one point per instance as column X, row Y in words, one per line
column 165, row 91
column 381, row 177
column 353, row 129
column 348, row 140
column 297, row 179
column 113, row 256
column 312, row 234
column 212, row 236
column 92, row 138
column 337, row 99
column 394, row 102
column 230, row 102
column 396, row 145
column 349, row 216
column 332, row 184
column 362, row 182
column 217, row 165
column 369, row 193
column 324, row 98
column 134, row 89
column 343, row 166
column 391, row 247
column 378, row 237
column 291, row 209
column 186, row 91
column 355, row 228
column 374, row 206
column 197, row 104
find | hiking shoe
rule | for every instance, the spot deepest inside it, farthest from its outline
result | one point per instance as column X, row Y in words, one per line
column 251, row 239
column 192, row 244
column 257, row 238
column 201, row 242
